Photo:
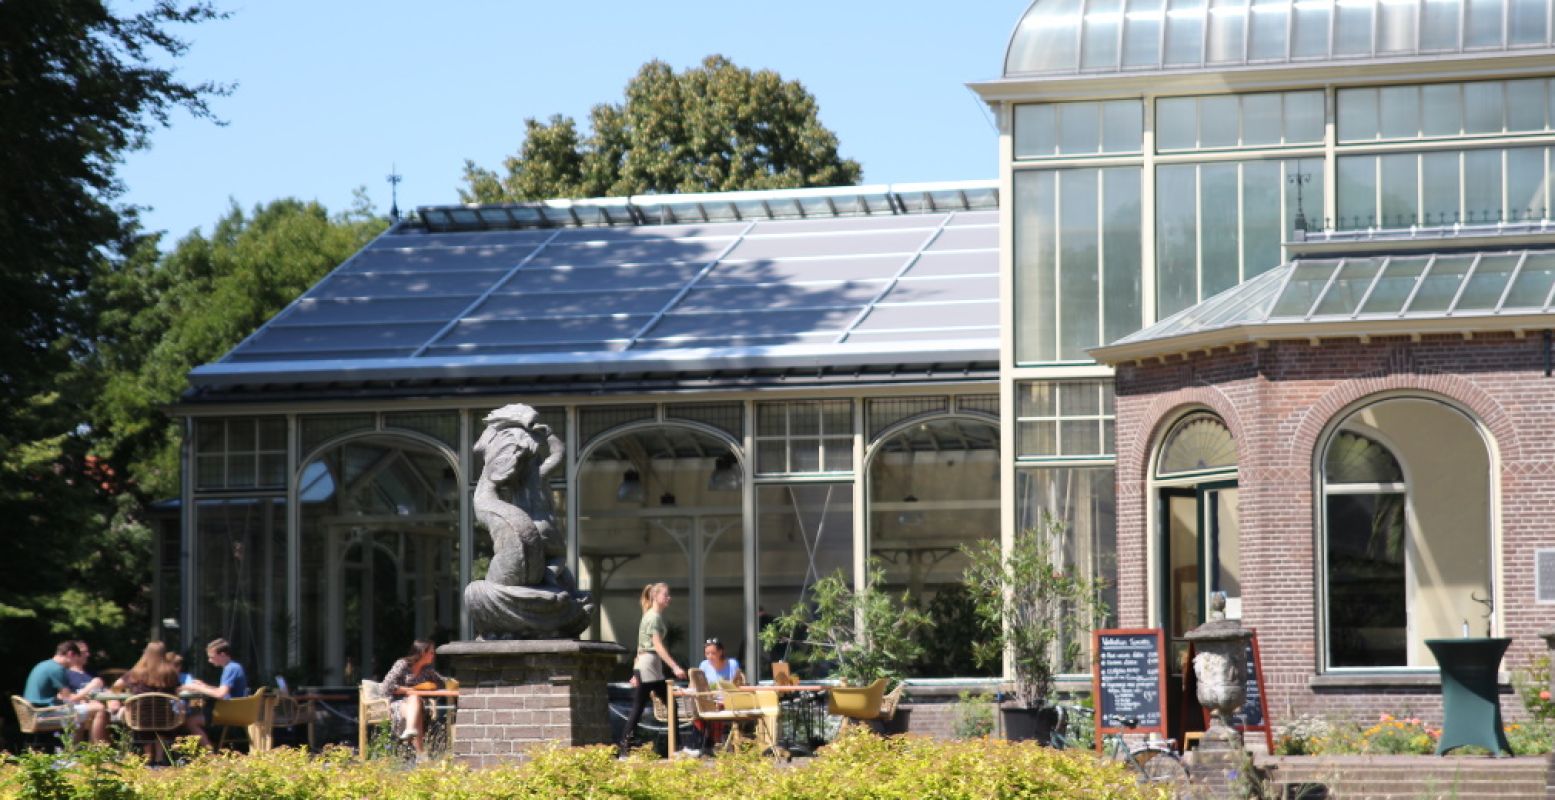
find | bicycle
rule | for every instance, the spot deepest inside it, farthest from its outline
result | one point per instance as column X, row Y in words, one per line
column 1154, row 761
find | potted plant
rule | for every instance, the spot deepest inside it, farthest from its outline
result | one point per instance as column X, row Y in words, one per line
column 854, row 635
column 1037, row 610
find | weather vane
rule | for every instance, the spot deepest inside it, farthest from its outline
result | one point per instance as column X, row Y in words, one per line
column 1297, row 179
column 394, row 179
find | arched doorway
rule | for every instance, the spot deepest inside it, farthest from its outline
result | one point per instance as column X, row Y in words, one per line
column 380, row 553
column 663, row 502
column 1198, row 548
column 1407, row 544
column 933, row 490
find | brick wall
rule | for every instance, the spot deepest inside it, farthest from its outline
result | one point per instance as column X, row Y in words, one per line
column 1278, row 401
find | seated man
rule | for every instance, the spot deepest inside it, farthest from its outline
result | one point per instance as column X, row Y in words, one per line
column 48, row 687
column 80, row 679
column 234, row 681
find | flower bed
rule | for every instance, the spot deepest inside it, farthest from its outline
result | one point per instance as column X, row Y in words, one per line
column 857, row 765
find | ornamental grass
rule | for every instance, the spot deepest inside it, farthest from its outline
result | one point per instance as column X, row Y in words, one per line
column 858, row 765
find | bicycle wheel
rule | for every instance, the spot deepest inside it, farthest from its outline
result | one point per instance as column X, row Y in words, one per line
column 1158, row 766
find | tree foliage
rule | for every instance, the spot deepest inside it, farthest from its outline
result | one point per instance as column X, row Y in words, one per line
column 713, row 128
column 857, row 635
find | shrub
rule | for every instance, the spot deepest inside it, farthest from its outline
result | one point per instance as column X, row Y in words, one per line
column 859, row 764
column 1533, row 686
column 973, row 715
column 856, row 635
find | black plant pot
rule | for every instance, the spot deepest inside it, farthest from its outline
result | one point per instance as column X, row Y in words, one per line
column 1029, row 724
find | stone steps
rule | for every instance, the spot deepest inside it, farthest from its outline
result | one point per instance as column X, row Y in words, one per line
column 1411, row 777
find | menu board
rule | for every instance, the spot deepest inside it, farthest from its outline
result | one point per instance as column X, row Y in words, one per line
column 1127, row 680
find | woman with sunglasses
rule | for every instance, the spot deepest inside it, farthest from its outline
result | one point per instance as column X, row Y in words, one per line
column 717, row 666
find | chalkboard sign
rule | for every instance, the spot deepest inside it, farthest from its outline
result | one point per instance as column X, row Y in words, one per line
column 1127, row 680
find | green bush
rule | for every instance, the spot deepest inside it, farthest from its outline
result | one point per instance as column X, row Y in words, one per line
column 973, row 715
column 859, row 765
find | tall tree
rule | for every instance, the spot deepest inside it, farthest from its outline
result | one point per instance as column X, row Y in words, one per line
column 713, row 128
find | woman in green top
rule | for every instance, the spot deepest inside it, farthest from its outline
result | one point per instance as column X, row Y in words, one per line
column 652, row 657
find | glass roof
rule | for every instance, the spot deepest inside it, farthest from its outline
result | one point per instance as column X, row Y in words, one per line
column 1058, row 37
column 1379, row 287
column 576, row 300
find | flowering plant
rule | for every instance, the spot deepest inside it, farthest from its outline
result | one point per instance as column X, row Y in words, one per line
column 1533, row 685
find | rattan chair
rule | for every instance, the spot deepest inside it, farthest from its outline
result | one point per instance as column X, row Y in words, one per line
column 154, row 718
column 287, row 714
column 856, row 703
column 37, row 722
column 250, row 715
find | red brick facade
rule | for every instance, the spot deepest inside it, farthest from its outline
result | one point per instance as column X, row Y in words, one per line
column 1279, row 401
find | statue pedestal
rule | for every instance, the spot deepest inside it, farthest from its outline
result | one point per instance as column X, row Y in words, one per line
column 522, row 693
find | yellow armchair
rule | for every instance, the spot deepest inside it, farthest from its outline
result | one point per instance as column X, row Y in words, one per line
column 251, row 715
column 856, row 703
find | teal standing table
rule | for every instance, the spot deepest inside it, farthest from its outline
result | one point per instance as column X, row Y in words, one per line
column 1471, row 702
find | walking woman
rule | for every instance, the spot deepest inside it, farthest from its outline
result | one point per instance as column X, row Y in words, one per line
column 652, row 658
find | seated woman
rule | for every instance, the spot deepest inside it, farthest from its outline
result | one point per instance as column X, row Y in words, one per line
column 155, row 672
column 717, row 666
column 414, row 671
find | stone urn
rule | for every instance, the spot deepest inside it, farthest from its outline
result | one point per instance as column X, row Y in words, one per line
column 1220, row 666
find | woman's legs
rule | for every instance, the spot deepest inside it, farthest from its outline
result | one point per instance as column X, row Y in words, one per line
column 413, row 726
column 640, row 694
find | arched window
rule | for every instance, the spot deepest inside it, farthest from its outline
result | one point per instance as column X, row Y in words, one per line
column 1199, row 442
column 1406, row 533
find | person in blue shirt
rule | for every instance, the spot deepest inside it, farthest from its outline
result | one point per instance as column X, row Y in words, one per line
column 48, row 688
column 234, row 681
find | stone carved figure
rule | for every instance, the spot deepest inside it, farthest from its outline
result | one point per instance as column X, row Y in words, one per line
column 528, row 592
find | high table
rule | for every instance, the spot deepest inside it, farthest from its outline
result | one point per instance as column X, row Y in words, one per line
column 1471, row 702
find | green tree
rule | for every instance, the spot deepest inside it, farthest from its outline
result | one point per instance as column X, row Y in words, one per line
column 717, row 127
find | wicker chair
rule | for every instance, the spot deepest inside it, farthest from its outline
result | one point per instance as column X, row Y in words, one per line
column 372, row 708
column 37, row 722
column 287, row 714
column 856, row 703
column 154, row 718
column 250, row 715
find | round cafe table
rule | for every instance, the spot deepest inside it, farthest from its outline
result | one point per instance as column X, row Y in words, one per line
column 1471, row 701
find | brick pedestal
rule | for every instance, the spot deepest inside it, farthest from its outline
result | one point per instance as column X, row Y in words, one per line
column 515, row 695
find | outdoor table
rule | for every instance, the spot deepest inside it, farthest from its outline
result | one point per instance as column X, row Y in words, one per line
column 675, row 691
column 1471, row 703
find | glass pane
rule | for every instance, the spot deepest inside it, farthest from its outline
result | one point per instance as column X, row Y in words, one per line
column 1123, row 126
column 1441, row 106
column 1483, row 107
column 804, row 455
column 1439, row 25
column 1357, row 191
column 1219, row 262
column 1396, row 27
column 1303, row 194
column 1227, row 24
column 771, row 419
column 1078, row 398
column 1079, row 290
column 272, row 469
column 1303, row 117
column 804, row 418
column 1528, row 22
column 1349, row 286
column 1302, row 291
column 241, row 470
column 1176, row 238
column 1357, row 115
column 1526, row 182
column 1400, row 111
column 1399, row 190
column 1036, row 399
column 1532, row 287
column 210, row 435
column 1035, row 129
column 1184, row 598
column 1439, row 188
column 1079, row 437
column 1123, row 252
column 1176, row 120
column 1100, row 48
column 804, row 532
column 1050, row 47
column 1261, row 185
column 210, row 472
column 1261, row 121
column 1311, row 36
column 1079, row 128
column 1367, row 618
column 1440, row 284
column 242, row 436
column 1525, row 105
column 772, row 456
column 241, row 584
column 1483, row 27
column 838, row 456
column 272, row 433
column 1352, row 30
column 1482, row 186
column 1035, row 265
column 837, row 417
column 1142, row 33
column 1199, row 442
column 1185, row 32
column 1038, row 438
column 1354, row 458
column 1227, row 531
column 1393, row 288
column 1484, row 287
column 1218, row 124
column 1268, row 33
column 1083, row 501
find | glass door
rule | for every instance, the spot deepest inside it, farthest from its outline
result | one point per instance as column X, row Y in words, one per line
column 1200, row 547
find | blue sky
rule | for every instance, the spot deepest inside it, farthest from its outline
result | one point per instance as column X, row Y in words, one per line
column 330, row 94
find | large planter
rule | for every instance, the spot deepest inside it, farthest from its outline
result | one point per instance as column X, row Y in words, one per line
column 1029, row 724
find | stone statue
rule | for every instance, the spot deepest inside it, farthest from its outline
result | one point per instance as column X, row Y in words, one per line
column 528, row 592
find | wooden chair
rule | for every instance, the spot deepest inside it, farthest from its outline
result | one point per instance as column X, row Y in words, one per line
column 735, row 710
column 156, row 717
column 38, row 723
column 372, row 708
column 781, row 675
column 251, row 715
column 856, row 703
column 287, row 714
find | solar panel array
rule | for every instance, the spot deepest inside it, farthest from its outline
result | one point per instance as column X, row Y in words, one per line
column 849, row 280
